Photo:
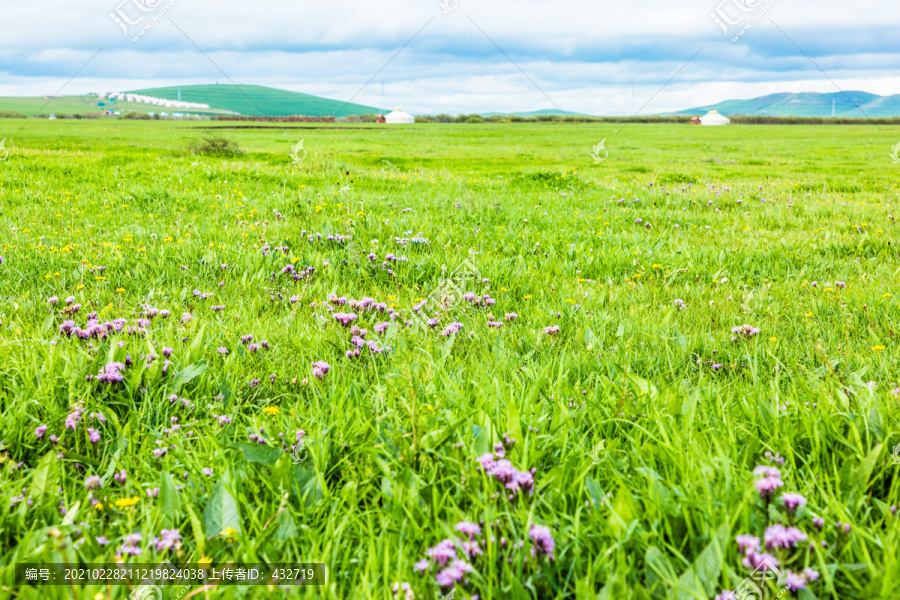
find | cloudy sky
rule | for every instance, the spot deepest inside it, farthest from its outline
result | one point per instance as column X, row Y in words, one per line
column 606, row 57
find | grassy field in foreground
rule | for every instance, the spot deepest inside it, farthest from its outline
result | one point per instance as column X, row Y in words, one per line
column 599, row 348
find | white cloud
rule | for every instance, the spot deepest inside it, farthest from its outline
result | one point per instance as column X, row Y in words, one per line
column 585, row 56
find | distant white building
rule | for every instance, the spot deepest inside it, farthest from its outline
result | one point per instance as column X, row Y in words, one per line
column 399, row 117
column 714, row 118
column 140, row 98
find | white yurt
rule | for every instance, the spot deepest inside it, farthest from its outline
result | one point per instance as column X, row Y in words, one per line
column 399, row 117
column 714, row 118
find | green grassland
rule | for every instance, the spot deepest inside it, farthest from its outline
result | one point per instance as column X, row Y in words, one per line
column 259, row 101
column 643, row 417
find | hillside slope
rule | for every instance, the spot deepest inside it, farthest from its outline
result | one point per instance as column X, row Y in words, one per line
column 852, row 104
column 259, row 101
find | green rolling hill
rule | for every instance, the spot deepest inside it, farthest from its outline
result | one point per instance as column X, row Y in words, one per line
column 808, row 104
column 259, row 101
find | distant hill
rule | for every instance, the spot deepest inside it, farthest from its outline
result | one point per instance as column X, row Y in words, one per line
column 534, row 113
column 807, row 104
column 259, row 101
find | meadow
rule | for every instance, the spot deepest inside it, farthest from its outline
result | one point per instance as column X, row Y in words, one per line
column 461, row 358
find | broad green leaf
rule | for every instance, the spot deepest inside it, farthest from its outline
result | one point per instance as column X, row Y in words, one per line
column 189, row 373
column 72, row 514
column 285, row 527
column 197, row 528
column 307, row 486
column 661, row 574
column 221, row 511
column 484, row 441
column 258, row 453
column 169, row 503
column 700, row 580
column 45, row 478
column 596, row 492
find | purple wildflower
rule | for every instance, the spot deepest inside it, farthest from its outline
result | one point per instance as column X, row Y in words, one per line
column 344, row 318
column 320, row 368
column 469, row 529
column 770, row 481
column 442, row 552
column 794, row 582
column 111, row 372
column 792, row 501
column 543, row 540
column 747, row 542
column 745, row 331
column 779, row 536
column 167, row 538
column 73, row 418
column 760, row 561
column 451, row 329
column 131, row 544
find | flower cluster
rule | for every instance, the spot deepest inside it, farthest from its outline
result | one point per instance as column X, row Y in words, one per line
column 111, row 373
column 744, row 331
column 320, row 368
column 344, row 318
column 503, row 471
column 452, row 329
column 484, row 300
column 167, row 539
column 358, row 341
column 293, row 273
column 780, row 543
column 769, row 482
column 450, row 559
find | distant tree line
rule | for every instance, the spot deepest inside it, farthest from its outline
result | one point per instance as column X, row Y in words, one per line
column 735, row 119
column 289, row 119
column 475, row 118
column 759, row 120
